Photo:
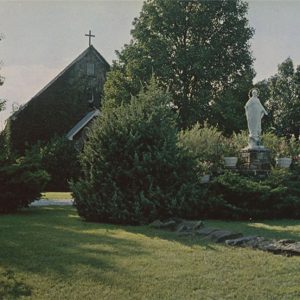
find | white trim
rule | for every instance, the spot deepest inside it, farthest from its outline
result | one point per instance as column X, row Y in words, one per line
column 82, row 123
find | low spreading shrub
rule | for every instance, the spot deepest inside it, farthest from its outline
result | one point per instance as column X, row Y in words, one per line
column 232, row 196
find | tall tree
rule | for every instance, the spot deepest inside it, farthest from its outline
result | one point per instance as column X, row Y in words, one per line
column 283, row 102
column 3, row 140
column 198, row 50
column 2, row 102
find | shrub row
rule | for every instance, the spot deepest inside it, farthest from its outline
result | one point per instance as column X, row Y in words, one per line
column 208, row 146
column 136, row 168
column 232, row 196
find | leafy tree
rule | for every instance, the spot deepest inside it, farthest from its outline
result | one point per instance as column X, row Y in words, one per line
column 2, row 102
column 134, row 171
column 198, row 50
column 295, row 111
column 282, row 92
column 3, row 147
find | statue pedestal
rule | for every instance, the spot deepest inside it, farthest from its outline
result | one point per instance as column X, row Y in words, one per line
column 255, row 161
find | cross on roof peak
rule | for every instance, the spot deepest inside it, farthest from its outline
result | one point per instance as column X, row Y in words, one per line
column 90, row 35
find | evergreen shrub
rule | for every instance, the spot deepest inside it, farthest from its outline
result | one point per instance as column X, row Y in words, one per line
column 134, row 172
column 233, row 196
column 60, row 159
column 21, row 182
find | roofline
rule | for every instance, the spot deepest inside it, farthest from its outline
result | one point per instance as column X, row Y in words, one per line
column 99, row 56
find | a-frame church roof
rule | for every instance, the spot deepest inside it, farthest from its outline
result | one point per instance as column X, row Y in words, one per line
column 63, row 102
column 84, row 53
column 91, row 48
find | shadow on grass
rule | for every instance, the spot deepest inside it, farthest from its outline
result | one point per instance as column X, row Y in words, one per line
column 56, row 242
column 277, row 229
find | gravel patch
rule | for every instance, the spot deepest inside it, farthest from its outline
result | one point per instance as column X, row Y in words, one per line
column 52, row 202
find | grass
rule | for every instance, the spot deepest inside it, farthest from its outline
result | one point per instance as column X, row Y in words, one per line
column 50, row 253
column 56, row 195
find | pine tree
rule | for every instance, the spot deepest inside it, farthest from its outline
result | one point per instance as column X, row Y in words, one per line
column 134, row 171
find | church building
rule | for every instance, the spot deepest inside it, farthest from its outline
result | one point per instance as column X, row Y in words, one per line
column 72, row 96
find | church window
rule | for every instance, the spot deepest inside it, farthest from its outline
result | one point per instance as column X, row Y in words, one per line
column 90, row 69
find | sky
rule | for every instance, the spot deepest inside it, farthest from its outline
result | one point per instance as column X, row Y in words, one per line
column 42, row 37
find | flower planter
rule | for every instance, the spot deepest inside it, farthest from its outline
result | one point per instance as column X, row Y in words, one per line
column 284, row 162
column 205, row 178
column 230, row 161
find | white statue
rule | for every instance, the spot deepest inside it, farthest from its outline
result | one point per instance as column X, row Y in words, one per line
column 254, row 113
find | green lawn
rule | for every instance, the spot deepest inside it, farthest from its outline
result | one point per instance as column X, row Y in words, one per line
column 50, row 253
column 56, row 195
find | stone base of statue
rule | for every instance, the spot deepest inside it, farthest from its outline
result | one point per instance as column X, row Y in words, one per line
column 255, row 161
